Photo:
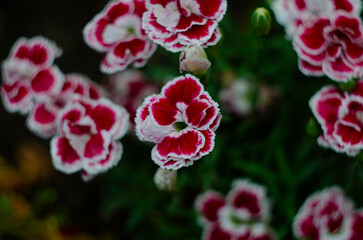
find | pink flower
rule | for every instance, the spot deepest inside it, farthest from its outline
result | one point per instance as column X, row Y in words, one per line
column 117, row 31
column 175, row 24
column 28, row 74
column 242, row 215
column 331, row 46
column 128, row 89
column 293, row 13
column 326, row 214
column 247, row 211
column 181, row 121
column 88, row 137
column 340, row 116
column 43, row 118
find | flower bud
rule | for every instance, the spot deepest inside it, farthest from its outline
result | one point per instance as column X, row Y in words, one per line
column 261, row 21
column 347, row 86
column 165, row 180
column 193, row 59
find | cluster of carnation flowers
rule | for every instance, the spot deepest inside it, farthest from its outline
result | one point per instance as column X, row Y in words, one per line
column 181, row 120
column 341, row 117
column 128, row 30
column 69, row 108
column 326, row 34
column 328, row 214
column 244, row 214
column 328, row 38
column 84, row 125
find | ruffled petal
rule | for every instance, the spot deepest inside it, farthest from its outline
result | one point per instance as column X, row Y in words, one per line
column 65, row 158
column 185, row 144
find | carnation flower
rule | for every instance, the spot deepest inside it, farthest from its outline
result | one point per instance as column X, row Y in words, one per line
column 129, row 89
column 28, row 74
column 117, row 31
column 331, row 46
column 340, row 116
column 181, row 120
column 242, row 215
column 43, row 119
column 327, row 214
column 293, row 13
column 175, row 24
column 88, row 137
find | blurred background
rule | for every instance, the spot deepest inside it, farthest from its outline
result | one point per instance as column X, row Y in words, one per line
column 273, row 144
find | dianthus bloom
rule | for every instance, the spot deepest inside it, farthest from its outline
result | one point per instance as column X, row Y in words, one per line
column 244, row 214
column 341, row 118
column 43, row 119
column 331, row 46
column 117, row 30
column 294, row 13
column 128, row 89
column 175, row 24
column 89, row 136
column 181, row 121
column 29, row 74
column 328, row 214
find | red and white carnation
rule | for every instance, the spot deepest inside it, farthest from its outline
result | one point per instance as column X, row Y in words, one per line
column 327, row 214
column 175, row 24
column 181, row 120
column 43, row 118
column 88, row 139
column 129, row 89
column 118, row 32
column 29, row 74
column 294, row 13
column 331, row 46
column 242, row 215
column 341, row 118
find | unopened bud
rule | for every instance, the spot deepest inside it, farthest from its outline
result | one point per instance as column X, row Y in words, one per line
column 347, row 86
column 261, row 21
column 165, row 180
column 193, row 59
